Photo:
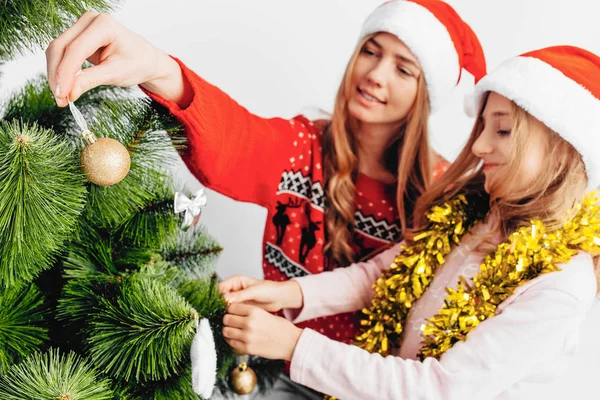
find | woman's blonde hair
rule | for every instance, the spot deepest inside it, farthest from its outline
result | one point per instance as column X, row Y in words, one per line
column 408, row 157
column 549, row 197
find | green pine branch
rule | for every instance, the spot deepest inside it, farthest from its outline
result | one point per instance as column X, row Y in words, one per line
column 156, row 226
column 29, row 24
column 34, row 103
column 90, row 275
column 177, row 387
column 50, row 375
column 91, row 252
column 133, row 123
column 22, row 330
column 145, row 334
column 194, row 253
column 204, row 296
column 132, row 258
column 115, row 113
column 82, row 298
column 94, row 269
column 171, row 126
column 42, row 194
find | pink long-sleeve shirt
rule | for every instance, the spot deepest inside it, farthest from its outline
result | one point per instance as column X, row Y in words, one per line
column 528, row 342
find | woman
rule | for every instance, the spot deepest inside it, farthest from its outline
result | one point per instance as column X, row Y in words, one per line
column 461, row 325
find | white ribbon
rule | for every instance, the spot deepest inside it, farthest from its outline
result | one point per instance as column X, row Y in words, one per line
column 204, row 360
column 192, row 208
column 79, row 120
column 88, row 136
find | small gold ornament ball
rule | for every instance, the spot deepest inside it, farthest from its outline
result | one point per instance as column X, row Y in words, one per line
column 243, row 379
column 105, row 162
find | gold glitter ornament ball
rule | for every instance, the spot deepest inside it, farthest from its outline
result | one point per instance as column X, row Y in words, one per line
column 243, row 379
column 105, row 161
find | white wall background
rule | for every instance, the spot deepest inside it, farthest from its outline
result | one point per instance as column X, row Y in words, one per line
column 281, row 58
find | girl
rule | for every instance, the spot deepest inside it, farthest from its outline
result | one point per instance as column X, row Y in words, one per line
column 334, row 193
column 461, row 325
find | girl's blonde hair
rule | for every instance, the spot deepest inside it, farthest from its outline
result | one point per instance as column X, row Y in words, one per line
column 408, row 157
column 549, row 197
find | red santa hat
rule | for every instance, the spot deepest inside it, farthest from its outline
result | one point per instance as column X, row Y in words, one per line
column 560, row 86
column 443, row 43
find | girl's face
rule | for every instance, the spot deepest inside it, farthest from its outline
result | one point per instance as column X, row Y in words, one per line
column 384, row 82
column 495, row 145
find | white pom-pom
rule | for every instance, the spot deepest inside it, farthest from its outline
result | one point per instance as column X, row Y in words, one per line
column 470, row 105
column 204, row 360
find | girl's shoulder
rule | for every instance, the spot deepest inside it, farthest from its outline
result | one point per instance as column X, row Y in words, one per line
column 576, row 278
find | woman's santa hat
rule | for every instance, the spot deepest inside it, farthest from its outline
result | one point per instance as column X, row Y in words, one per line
column 560, row 86
column 443, row 43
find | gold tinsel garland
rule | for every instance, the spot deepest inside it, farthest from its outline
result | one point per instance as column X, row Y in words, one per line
column 412, row 271
column 529, row 252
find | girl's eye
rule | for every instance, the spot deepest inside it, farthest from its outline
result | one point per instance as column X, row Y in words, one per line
column 404, row 71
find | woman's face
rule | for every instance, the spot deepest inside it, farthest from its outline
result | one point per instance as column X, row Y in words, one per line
column 494, row 146
column 384, row 82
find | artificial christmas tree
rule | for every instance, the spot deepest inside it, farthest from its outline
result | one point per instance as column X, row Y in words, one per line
column 101, row 289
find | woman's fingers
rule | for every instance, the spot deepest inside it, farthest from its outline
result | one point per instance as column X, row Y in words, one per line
column 98, row 34
column 56, row 49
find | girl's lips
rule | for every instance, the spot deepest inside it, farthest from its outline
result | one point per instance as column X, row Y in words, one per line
column 488, row 166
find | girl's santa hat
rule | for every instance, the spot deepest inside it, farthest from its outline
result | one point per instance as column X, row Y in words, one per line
column 560, row 86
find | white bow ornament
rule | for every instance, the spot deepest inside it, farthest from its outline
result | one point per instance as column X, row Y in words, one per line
column 192, row 208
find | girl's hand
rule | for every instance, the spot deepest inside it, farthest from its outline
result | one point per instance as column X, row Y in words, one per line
column 268, row 295
column 251, row 330
column 121, row 58
column 236, row 283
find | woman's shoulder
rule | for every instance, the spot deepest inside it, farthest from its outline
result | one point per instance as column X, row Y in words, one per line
column 313, row 126
column 439, row 165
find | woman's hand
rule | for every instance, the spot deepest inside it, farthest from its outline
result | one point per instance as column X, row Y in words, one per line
column 121, row 58
column 268, row 295
column 251, row 330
